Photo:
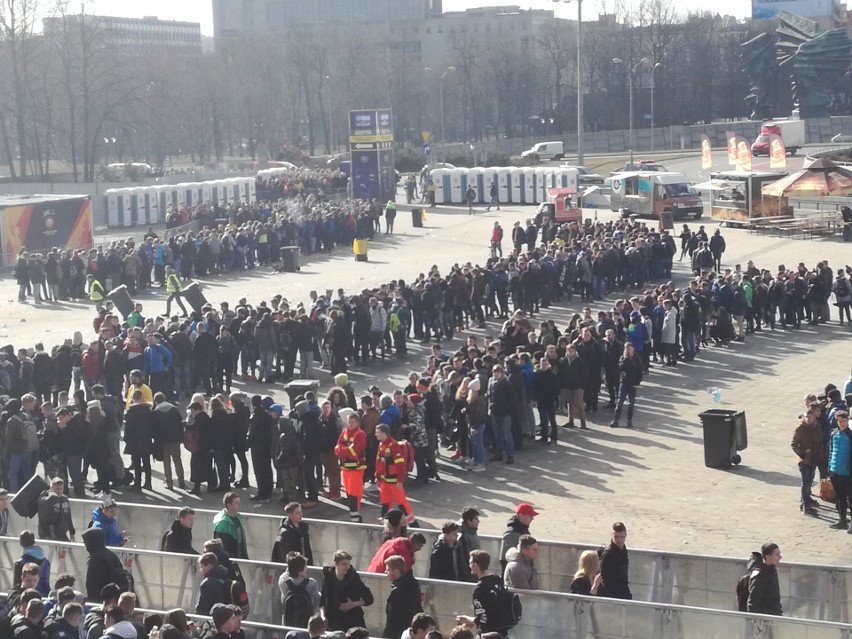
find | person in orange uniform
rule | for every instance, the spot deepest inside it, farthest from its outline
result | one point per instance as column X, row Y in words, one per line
column 350, row 451
column 391, row 470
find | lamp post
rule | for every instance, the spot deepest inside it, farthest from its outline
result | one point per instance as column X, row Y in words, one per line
column 441, row 93
column 653, row 91
column 630, row 74
column 580, row 126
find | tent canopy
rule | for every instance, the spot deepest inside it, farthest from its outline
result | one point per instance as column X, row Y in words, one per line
column 821, row 177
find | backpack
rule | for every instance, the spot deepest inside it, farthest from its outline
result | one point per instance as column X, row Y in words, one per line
column 508, row 608
column 742, row 593
column 297, row 604
column 235, row 593
column 30, row 435
column 408, row 454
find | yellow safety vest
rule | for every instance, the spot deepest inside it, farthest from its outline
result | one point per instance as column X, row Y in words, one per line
column 96, row 291
column 172, row 284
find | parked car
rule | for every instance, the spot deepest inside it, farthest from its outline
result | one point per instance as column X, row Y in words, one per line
column 641, row 165
column 585, row 175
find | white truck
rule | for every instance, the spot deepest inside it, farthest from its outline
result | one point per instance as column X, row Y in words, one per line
column 545, row 151
column 792, row 132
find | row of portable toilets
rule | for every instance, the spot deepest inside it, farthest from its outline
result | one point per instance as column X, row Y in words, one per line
column 150, row 204
column 516, row 185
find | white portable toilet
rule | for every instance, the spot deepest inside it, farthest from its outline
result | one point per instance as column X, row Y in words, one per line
column 236, row 187
column 504, row 183
column 124, row 212
column 137, row 205
column 571, row 179
column 529, row 184
column 456, row 192
column 206, row 192
column 161, row 193
column 252, row 189
column 152, row 204
column 540, row 185
column 113, row 199
column 227, row 191
column 440, row 179
column 220, row 191
column 516, row 179
column 489, row 176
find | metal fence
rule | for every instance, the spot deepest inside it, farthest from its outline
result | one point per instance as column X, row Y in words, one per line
column 165, row 580
column 808, row 591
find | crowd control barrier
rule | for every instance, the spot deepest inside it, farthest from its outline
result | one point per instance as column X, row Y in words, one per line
column 165, row 580
column 808, row 591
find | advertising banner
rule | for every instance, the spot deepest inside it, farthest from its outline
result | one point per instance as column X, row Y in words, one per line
column 731, row 139
column 387, row 175
column 743, row 154
column 777, row 152
column 41, row 226
column 363, row 126
column 365, row 174
column 385, row 125
column 706, row 154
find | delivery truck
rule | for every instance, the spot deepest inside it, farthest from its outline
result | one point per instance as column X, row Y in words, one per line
column 792, row 132
column 652, row 193
column 545, row 151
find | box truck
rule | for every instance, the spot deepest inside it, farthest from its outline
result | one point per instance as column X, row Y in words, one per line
column 792, row 132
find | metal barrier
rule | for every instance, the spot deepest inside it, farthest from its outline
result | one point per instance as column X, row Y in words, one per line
column 808, row 591
column 165, row 580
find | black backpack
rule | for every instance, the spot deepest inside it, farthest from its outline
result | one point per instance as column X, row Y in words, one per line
column 742, row 592
column 509, row 609
column 297, row 605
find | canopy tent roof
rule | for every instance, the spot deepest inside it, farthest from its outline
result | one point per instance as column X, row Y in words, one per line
column 820, row 177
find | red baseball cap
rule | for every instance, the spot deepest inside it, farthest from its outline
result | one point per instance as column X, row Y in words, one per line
column 526, row 509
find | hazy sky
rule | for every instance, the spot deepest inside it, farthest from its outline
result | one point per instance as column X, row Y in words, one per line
column 201, row 11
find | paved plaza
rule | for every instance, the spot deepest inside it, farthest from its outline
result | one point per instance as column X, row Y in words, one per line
column 652, row 477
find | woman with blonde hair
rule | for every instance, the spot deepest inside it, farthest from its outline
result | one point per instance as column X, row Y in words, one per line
column 587, row 579
column 458, row 417
column 477, row 413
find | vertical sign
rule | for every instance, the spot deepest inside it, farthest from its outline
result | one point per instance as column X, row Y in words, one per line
column 706, row 154
column 777, row 152
column 371, row 145
column 743, row 154
column 731, row 139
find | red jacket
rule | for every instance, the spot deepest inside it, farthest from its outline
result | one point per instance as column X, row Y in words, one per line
column 391, row 466
column 398, row 546
column 350, row 449
column 91, row 365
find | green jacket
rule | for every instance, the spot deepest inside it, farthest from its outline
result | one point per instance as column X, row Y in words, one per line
column 232, row 533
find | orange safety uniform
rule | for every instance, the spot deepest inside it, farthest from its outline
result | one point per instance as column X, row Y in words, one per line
column 350, row 451
column 391, row 471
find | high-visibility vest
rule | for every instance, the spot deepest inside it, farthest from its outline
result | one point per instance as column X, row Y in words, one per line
column 172, row 284
column 96, row 291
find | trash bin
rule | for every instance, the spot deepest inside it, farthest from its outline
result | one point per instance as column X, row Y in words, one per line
column 120, row 297
column 192, row 294
column 417, row 218
column 300, row 387
column 724, row 434
column 359, row 247
column 290, row 259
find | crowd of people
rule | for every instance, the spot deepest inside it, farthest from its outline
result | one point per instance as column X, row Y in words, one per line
column 70, row 407
column 299, row 180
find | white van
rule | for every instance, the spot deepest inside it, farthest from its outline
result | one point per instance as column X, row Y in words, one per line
column 545, row 151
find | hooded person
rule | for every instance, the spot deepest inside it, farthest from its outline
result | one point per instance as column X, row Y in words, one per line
column 104, row 566
column 342, row 380
column 168, row 437
column 122, row 630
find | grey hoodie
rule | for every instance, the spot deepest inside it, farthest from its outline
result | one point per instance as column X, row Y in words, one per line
column 521, row 573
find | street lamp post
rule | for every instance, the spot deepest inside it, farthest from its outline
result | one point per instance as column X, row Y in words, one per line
column 580, row 126
column 441, row 95
column 630, row 75
column 653, row 91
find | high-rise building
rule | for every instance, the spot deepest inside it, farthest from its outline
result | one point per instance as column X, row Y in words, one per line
column 137, row 34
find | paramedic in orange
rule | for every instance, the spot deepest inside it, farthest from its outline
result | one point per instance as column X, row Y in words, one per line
column 391, row 469
column 350, row 451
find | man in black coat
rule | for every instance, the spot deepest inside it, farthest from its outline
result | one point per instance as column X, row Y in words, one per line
column 404, row 599
column 546, row 394
column 104, row 566
column 178, row 538
column 615, row 566
column 294, row 535
column 240, row 421
column 764, row 593
column 446, row 560
column 574, row 374
column 612, row 352
column 258, row 442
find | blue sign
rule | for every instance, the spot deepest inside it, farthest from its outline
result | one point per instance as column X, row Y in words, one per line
column 427, row 150
column 365, row 174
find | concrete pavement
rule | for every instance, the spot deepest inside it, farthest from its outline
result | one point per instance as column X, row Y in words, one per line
column 652, row 478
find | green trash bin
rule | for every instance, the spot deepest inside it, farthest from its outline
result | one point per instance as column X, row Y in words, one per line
column 724, row 434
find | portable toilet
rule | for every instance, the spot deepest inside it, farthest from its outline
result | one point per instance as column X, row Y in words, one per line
column 571, row 179
column 540, row 185
column 504, row 184
column 236, row 187
column 137, row 212
column 252, row 189
column 529, row 184
column 456, row 191
column 152, row 204
column 161, row 194
column 114, row 202
column 474, row 179
column 516, row 179
column 205, row 192
column 441, row 180
column 489, row 176
column 221, row 192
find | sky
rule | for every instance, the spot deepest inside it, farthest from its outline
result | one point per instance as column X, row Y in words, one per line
column 201, row 10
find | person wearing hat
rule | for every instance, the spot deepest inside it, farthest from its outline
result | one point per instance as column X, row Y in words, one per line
column 518, row 525
column 226, row 619
column 391, row 471
column 350, row 449
column 842, row 290
column 173, row 288
column 103, row 517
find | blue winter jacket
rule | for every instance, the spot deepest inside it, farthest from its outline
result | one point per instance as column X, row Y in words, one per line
column 841, row 452
column 155, row 359
column 112, row 535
